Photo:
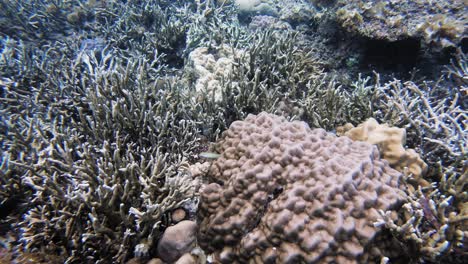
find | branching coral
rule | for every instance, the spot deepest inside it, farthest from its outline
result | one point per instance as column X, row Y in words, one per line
column 439, row 25
column 328, row 103
column 436, row 119
column 99, row 119
column 97, row 151
column 273, row 74
column 432, row 226
column 439, row 124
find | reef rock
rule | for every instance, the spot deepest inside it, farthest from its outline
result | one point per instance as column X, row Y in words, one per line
column 177, row 240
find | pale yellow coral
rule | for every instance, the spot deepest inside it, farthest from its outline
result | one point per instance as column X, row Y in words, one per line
column 390, row 141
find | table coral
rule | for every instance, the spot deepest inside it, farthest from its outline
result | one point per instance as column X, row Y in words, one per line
column 288, row 194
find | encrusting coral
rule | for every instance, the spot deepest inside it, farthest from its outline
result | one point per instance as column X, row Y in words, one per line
column 391, row 141
column 287, row 194
column 439, row 25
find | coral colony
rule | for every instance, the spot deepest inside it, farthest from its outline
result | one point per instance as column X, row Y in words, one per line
column 233, row 131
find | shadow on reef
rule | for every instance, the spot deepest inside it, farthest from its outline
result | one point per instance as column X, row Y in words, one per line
column 397, row 56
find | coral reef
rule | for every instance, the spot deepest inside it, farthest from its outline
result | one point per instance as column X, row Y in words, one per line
column 41, row 21
column 268, row 22
column 289, row 194
column 96, row 131
column 100, row 166
column 278, row 73
column 210, row 70
column 94, row 140
column 433, row 230
column 294, row 12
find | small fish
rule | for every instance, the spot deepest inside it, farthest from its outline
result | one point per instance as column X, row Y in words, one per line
column 210, row 155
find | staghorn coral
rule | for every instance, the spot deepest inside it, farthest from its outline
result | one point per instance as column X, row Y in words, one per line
column 171, row 27
column 150, row 27
column 458, row 71
column 86, row 89
column 95, row 150
column 278, row 73
column 432, row 227
column 435, row 119
column 287, row 194
column 40, row 21
column 215, row 24
column 434, row 115
column 269, row 70
column 101, row 119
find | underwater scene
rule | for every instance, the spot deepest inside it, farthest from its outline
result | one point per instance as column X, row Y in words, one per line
column 233, row 131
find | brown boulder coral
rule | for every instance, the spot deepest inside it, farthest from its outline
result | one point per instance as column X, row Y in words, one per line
column 291, row 194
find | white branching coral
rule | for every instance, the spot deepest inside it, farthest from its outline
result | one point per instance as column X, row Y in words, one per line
column 436, row 217
column 434, row 228
column 442, row 123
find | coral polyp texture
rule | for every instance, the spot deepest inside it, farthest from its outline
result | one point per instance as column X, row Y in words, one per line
column 285, row 193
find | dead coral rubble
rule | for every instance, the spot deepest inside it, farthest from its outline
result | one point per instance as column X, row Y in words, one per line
column 289, row 194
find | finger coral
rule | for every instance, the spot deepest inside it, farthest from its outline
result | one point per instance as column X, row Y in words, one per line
column 288, row 194
column 439, row 25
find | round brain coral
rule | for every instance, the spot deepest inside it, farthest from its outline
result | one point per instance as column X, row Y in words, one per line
column 286, row 193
